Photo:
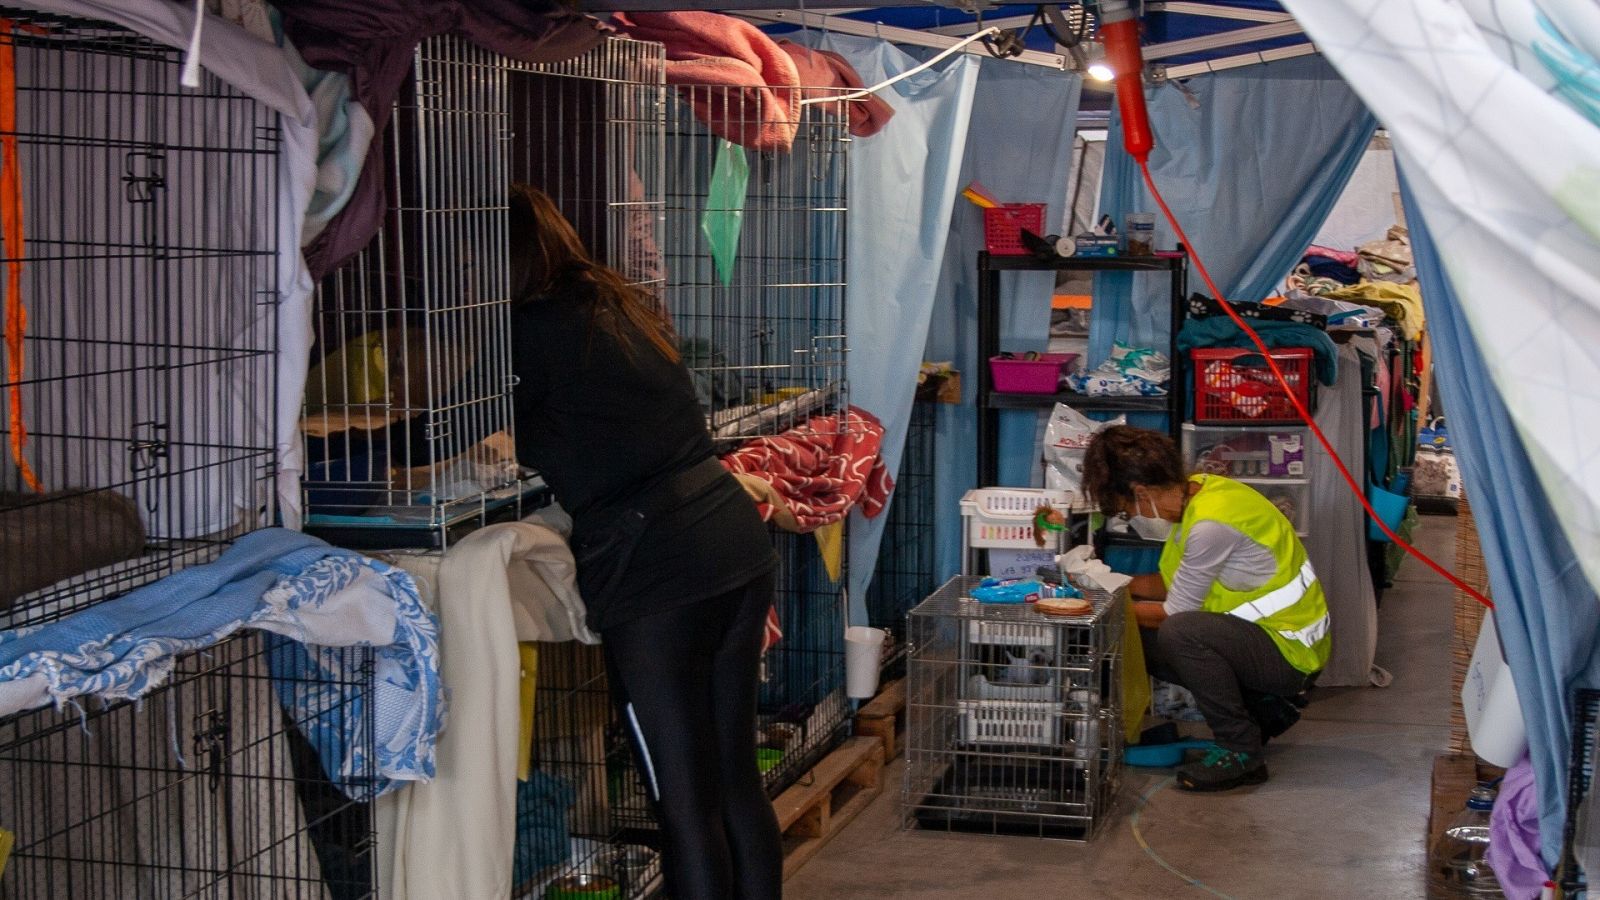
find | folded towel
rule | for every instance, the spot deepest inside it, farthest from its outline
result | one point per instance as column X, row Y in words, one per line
column 823, row 69
column 737, row 80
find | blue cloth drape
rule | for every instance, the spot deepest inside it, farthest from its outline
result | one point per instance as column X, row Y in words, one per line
column 1020, row 147
column 1251, row 161
column 903, row 182
column 1546, row 613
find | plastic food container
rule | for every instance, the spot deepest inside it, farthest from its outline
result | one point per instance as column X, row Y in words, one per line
column 1235, row 385
column 1016, row 375
column 1002, row 227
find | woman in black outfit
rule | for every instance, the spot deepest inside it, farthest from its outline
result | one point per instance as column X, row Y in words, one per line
column 673, row 561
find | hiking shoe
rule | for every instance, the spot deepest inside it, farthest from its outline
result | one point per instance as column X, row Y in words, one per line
column 1222, row 770
column 1272, row 714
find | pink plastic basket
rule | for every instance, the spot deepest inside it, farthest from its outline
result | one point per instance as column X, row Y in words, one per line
column 1029, row 376
column 1002, row 227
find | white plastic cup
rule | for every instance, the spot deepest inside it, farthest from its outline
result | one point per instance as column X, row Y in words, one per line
column 863, row 652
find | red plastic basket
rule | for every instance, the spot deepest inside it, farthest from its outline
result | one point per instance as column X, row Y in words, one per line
column 1029, row 376
column 1002, row 227
column 1233, row 384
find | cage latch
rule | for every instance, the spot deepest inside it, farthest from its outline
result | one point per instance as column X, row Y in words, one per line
column 143, row 173
column 148, row 448
column 211, row 742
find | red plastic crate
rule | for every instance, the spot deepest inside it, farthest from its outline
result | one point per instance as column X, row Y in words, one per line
column 1029, row 376
column 1233, row 384
column 1002, row 227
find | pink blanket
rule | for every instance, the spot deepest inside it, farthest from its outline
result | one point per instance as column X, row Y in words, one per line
column 739, row 82
column 822, row 468
column 821, row 71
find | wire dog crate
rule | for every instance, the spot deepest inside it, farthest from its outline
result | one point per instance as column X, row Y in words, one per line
column 408, row 409
column 762, row 331
column 137, row 399
column 803, row 711
column 591, row 134
column 905, row 573
column 203, row 789
column 1014, row 720
column 583, row 811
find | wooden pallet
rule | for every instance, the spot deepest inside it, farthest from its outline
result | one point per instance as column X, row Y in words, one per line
column 827, row 798
column 884, row 717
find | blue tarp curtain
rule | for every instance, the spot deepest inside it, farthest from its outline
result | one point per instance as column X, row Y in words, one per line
column 903, row 182
column 1546, row 614
column 1020, row 147
column 1251, row 161
column 914, row 244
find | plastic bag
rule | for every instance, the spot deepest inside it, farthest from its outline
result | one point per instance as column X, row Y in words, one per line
column 723, row 220
column 1066, row 438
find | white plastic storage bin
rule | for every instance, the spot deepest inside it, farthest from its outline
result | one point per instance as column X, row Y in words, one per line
column 1001, row 518
column 1292, row 497
column 1248, row 453
column 1012, row 722
column 981, row 688
column 1008, row 634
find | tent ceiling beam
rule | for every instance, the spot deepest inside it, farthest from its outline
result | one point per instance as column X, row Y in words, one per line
column 1168, row 73
column 1238, row 13
column 1224, row 39
column 892, row 34
column 966, row 28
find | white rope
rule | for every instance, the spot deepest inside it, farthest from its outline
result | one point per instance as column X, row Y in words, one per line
column 867, row 92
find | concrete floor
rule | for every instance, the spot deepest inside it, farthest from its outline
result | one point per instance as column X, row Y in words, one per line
column 1343, row 815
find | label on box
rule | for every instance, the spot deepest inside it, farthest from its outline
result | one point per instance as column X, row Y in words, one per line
column 1018, row 563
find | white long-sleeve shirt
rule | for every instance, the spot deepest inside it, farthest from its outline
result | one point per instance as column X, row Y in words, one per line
column 1216, row 552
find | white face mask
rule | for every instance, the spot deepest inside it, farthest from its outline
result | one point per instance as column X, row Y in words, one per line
column 1151, row 528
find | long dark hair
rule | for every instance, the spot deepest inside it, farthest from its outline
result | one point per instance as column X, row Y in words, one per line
column 546, row 250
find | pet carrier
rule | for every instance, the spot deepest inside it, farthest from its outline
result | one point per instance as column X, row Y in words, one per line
column 1014, row 721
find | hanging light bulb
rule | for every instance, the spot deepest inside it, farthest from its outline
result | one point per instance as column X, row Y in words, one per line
column 1095, row 65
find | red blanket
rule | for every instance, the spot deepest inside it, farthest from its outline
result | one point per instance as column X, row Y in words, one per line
column 823, row 468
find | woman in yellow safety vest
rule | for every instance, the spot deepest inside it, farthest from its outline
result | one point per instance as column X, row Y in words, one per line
column 1236, row 614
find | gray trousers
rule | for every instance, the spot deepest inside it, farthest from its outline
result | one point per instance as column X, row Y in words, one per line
column 1221, row 659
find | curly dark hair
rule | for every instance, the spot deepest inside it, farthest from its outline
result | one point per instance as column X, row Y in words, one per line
column 1122, row 456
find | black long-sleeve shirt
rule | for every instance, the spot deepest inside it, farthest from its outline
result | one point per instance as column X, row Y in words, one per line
column 605, row 423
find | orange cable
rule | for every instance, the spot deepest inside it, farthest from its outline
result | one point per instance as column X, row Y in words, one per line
column 16, row 314
column 1299, row 405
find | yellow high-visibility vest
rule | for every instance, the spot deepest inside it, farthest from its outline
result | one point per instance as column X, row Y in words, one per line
column 1290, row 606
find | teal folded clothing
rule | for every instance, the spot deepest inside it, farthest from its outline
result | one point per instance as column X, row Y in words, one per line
column 1219, row 331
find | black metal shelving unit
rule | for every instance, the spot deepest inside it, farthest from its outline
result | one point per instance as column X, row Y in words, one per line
column 991, row 402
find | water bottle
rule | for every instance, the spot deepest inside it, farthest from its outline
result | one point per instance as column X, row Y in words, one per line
column 1456, row 864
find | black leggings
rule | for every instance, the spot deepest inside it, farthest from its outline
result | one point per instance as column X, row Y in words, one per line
column 685, row 681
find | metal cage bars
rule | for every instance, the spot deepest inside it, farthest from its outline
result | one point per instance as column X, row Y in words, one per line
column 145, row 378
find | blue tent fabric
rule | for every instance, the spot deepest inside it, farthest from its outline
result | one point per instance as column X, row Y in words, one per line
column 903, row 182
column 1251, row 170
column 1023, row 125
column 1546, row 613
